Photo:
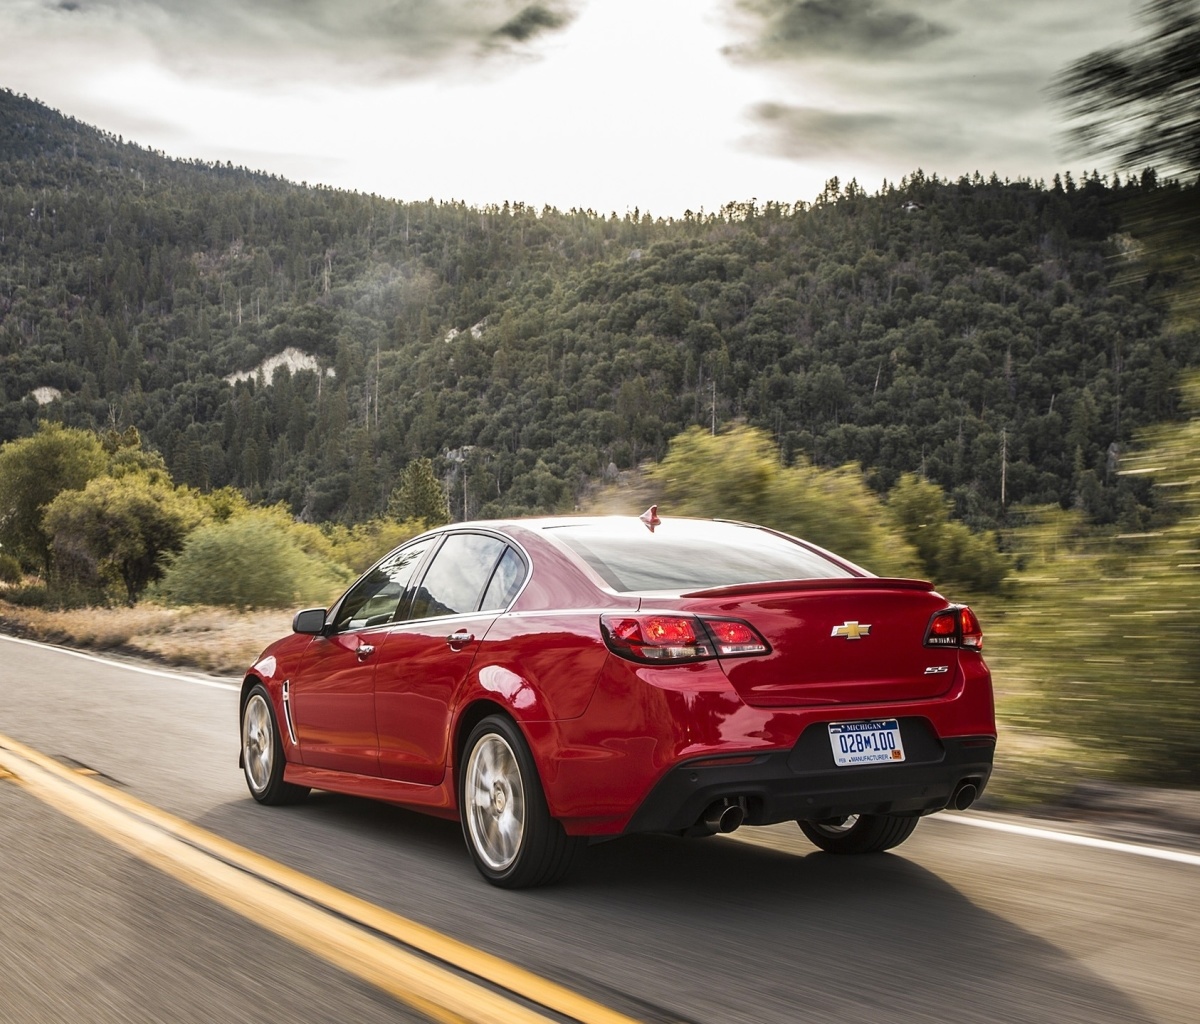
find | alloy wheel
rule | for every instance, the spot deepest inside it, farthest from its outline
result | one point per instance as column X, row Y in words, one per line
column 496, row 802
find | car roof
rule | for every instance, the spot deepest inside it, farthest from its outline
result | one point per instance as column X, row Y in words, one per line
column 618, row 523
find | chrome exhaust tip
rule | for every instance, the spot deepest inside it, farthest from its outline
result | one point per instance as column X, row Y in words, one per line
column 724, row 817
column 965, row 795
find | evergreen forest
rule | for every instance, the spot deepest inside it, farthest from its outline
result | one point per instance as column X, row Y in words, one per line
column 305, row 345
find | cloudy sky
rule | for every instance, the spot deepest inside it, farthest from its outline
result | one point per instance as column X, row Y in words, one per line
column 665, row 105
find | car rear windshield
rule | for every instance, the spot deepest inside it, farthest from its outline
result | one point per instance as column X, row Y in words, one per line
column 688, row 554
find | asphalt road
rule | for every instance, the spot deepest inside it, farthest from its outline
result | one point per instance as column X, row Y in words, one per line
column 960, row 924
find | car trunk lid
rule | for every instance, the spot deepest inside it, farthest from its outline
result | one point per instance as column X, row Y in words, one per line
column 833, row 641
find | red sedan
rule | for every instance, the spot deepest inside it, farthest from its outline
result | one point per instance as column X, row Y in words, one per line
column 551, row 682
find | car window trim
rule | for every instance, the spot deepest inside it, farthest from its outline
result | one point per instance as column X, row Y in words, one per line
column 418, row 578
column 405, row 602
column 495, row 569
column 336, row 608
column 603, row 583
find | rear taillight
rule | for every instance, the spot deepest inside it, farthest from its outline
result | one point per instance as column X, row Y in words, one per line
column 655, row 637
column 956, row 626
column 675, row 638
column 970, row 630
column 733, row 636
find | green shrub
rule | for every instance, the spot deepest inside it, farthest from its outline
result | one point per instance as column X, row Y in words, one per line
column 32, row 595
column 112, row 534
column 33, row 471
column 249, row 561
column 360, row 546
column 737, row 475
column 10, row 569
column 951, row 555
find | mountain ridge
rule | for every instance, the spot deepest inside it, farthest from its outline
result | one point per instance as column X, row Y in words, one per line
column 985, row 337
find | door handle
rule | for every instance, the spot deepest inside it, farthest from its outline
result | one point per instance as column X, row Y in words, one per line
column 459, row 640
column 364, row 651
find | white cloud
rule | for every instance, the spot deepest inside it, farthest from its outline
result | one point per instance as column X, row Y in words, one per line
column 610, row 104
column 963, row 86
column 269, row 40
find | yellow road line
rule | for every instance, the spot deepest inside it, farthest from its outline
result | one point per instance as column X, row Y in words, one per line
column 303, row 910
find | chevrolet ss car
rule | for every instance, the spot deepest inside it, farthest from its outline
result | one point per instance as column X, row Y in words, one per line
column 559, row 681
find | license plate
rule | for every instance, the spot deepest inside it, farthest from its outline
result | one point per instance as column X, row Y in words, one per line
column 874, row 742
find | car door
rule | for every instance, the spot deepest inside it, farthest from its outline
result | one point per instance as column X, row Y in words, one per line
column 473, row 576
column 333, row 699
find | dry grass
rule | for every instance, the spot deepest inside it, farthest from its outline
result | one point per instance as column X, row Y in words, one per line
column 211, row 639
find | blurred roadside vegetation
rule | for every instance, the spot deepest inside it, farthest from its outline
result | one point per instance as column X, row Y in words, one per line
column 741, row 475
column 1102, row 644
column 1140, row 103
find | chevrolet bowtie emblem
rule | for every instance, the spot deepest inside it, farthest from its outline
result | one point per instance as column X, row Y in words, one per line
column 852, row 630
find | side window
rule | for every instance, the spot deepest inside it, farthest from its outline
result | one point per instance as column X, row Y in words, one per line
column 506, row 581
column 375, row 598
column 455, row 581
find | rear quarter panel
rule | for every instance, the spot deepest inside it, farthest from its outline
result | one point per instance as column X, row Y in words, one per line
column 540, row 666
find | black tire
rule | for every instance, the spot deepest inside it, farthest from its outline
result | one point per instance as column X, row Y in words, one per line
column 507, row 827
column 262, row 752
column 859, row 833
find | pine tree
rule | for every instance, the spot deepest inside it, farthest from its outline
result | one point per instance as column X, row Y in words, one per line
column 419, row 495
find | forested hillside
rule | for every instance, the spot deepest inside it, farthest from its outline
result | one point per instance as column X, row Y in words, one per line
column 984, row 334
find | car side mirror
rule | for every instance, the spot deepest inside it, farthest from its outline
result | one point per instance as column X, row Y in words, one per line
column 311, row 620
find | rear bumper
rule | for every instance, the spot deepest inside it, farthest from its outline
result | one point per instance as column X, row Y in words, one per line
column 804, row 782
